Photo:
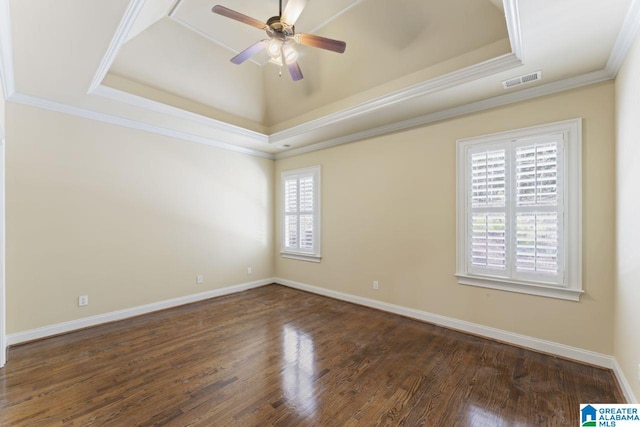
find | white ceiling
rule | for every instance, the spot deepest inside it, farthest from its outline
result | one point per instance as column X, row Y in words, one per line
column 407, row 62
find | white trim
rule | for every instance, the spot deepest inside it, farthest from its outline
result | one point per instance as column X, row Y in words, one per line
column 626, row 37
column 314, row 255
column 130, row 16
column 512, row 16
column 474, row 107
column 3, row 293
column 464, row 75
column 624, row 384
column 6, row 50
column 72, row 325
column 159, row 107
column 301, row 257
column 458, row 77
column 133, row 124
column 570, row 206
column 544, row 346
column 511, row 98
column 521, row 287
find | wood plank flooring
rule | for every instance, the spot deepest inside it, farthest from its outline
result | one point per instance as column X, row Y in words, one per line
column 278, row 356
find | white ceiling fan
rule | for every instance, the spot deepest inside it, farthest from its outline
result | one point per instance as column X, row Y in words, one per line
column 282, row 37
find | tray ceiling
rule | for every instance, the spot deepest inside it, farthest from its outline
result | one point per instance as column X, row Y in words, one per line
column 163, row 66
column 187, row 53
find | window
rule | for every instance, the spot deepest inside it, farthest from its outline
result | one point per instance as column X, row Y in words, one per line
column 519, row 210
column 301, row 214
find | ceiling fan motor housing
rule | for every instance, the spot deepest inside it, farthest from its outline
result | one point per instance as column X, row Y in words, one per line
column 277, row 28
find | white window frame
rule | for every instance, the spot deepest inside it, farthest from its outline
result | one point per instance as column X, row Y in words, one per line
column 569, row 285
column 313, row 255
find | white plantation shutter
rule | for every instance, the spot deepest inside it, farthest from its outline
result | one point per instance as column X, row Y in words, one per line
column 538, row 209
column 291, row 234
column 301, row 212
column 488, row 248
column 518, row 213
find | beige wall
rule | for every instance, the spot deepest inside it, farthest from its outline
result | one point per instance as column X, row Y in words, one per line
column 2, row 108
column 388, row 207
column 627, row 314
column 125, row 217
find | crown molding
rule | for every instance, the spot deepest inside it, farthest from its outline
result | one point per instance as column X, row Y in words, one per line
column 467, row 74
column 6, row 50
column 474, row 107
column 626, row 37
column 464, row 75
column 512, row 16
column 159, row 107
column 130, row 16
column 132, row 124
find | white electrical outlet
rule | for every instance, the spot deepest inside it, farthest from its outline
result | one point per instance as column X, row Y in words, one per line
column 199, row 279
column 249, row 271
column 375, row 284
column 83, row 300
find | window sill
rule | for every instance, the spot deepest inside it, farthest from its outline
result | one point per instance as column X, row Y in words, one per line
column 520, row 287
column 301, row 256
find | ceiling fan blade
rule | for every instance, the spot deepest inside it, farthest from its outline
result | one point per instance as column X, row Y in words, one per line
column 293, row 10
column 321, row 42
column 248, row 52
column 295, row 71
column 221, row 10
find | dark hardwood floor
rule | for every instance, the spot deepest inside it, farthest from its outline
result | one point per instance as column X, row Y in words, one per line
column 277, row 356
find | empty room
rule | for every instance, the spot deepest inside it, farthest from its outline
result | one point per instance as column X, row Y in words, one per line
column 319, row 213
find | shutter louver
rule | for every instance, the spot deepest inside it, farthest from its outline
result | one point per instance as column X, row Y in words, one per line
column 537, row 242
column 488, row 179
column 488, row 198
column 537, row 175
column 291, row 213
column 488, row 240
column 291, row 196
column 299, row 213
column 537, row 222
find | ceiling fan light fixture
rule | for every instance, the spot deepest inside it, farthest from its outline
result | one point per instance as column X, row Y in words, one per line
column 282, row 37
column 289, row 53
column 274, row 48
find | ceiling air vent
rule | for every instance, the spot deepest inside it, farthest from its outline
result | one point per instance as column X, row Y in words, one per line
column 517, row 81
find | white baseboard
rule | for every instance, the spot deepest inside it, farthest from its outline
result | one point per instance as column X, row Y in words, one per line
column 544, row 346
column 85, row 322
column 586, row 356
column 624, row 384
